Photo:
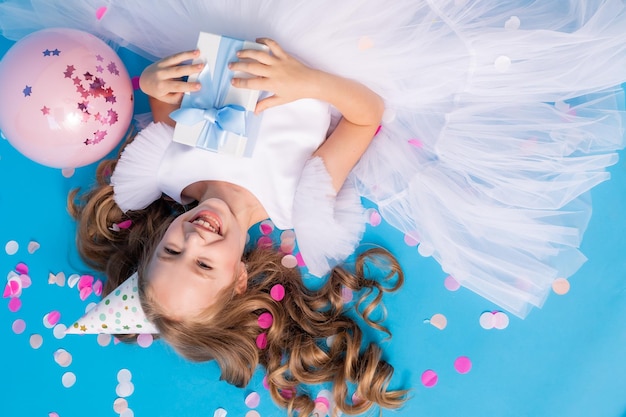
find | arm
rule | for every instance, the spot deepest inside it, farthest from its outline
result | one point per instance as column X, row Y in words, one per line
column 290, row 80
column 162, row 82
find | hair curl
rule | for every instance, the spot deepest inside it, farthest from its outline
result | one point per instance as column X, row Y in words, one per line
column 226, row 331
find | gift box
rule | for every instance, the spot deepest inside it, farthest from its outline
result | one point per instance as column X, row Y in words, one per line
column 219, row 117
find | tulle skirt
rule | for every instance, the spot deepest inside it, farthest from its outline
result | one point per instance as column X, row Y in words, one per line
column 500, row 115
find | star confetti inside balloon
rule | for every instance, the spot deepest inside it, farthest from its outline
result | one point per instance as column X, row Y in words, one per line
column 66, row 99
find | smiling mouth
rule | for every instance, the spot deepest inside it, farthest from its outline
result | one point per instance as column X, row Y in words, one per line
column 209, row 222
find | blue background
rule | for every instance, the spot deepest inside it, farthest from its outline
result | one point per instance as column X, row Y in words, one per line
column 567, row 359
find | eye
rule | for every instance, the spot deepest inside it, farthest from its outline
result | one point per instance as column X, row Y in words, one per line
column 204, row 266
column 171, row 251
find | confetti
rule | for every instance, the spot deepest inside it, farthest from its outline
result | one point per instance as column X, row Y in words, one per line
column 127, row 413
column 513, row 23
column 63, row 358
column 68, row 379
column 104, row 339
column 145, row 340
column 261, row 341
column 220, row 412
column 26, row 281
column 85, row 281
column 266, row 227
column 124, row 375
column 36, row 341
column 439, row 321
column 451, row 284
column 253, row 400
column 72, row 280
column 560, row 286
column 346, row 294
column 429, row 378
column 496, row 319
column 373, row 217
column 125, row 389
column 14, row 305
column 58, row 279
column 59, row 331
column 416, row 143
column 18, row 326
column 85, row 292
column 502, row 63
column 253, row 413
column 33, row 246
column 21, row 268
column 289, row 261
column 11, row 247
column 120, row 405
column 265, row 320
column 68, row 172
column 135, row 82
column 277, row 292
column 51, row 319
column 463, row 364
column 410, row 240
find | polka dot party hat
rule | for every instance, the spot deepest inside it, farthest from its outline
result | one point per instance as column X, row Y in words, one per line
column 119, row 312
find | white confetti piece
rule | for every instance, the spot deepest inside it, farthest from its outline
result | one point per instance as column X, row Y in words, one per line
column 33, row 247
column 502, row 63
column 220, row 412
column 59, row 331
column 36, row 341
column 513, row 23
column 63, row 358
column 73, row 280
column 67, row 172
column 125, row 389
column 104, row 339
column 11, row 247
column 124, row 375
column 68, row 379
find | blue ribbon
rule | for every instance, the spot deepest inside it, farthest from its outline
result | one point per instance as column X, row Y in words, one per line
column 208, row 103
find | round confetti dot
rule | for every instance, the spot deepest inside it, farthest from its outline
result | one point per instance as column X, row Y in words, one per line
column 25, row 280
column 33, row 246
column 500, row 320
column 322, row 405
column 487, row 320
column 513, row 23
column 18, row 326
column 125, row 389
column 289, row 261
column 253, row 413
column 68, row 379
column 124, row 375
column 502, row 63
column 325, row 394
column 389, row 115
column 120, row 405
column 356, row 400
column 63, row 358
column 451, row 284
column 463, row 364
column 253, row 400
column 51, row 319
column 560, row 286
column 68, row 172
column 59, row 331
column 104, row 339
column 410, row 241
column 425, row 250
column 265, row 320
column 21, row 268
column 373, row 217
column 266, row 227
column 439, row 321
column 288, row 234
column 145, row 340
column 11, row 247
column 346, row 295
column 220, row 412
column 14, row 305
column 72, row 280
column 287, row 245
column 277, row 292
column 127, row 413
column 330, row 340
column 264, row 242
column 429, row 378
column 101, row 12
column 53, row 414
column 36, row 341
column 261, row 341
column 265, row 382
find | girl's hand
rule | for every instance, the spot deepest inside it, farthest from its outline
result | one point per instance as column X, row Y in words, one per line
column 163, row 79
column 277, row 72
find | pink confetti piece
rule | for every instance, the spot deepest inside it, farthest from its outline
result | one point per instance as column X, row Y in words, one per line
column 277, row 292
column 35, row 341
column 13, row 288
column 289, row 261
column 104, row 339
column 135, row 83
column 101, row 12
column 125, row 224
column 85, row 281
column 416, row 143
column 265, row 383
column 53, row 414
column 33, row 246
column 85, row 292
column 252, row 400
column 261, row 341
column 560, row 286
column 68, row 172
column 347, row 294
column 265, row 320
column 451, row 284
column 463, row 364
column 373, row 217
column 97, row 287
column 300, row 260
column 63, row 358
column 120, row 405
column 429, row 378
column 378, row 129
column 410, row 240
column 21, row 268
column 25, row 280
column 145, row 340
column 324, row 401
column 14, row 305
column 439, row 321
column 52, row 318
column 18, row 326
column 264, row 242
column 266, row 227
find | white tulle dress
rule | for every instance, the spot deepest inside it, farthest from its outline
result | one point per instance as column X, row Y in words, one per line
column 500, row 114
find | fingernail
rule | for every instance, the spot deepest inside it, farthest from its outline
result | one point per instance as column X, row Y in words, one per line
column 230, row 65
column 238, row 53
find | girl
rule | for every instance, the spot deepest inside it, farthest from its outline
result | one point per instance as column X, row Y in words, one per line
column 499, row 117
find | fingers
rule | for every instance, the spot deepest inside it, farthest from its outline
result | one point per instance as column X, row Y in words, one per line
column 274, row 46
column 251, row 67
column 259, row 56
column 256, row 83
column 179, row 58
column 269, row 102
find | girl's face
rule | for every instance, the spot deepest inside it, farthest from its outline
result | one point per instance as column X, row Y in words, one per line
column 199, row 255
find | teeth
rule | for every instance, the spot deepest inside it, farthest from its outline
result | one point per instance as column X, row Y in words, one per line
column 208, row 223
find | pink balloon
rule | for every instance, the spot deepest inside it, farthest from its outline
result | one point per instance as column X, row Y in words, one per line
column 67, row 99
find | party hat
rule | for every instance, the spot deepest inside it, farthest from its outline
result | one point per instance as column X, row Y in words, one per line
column 119, row 312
